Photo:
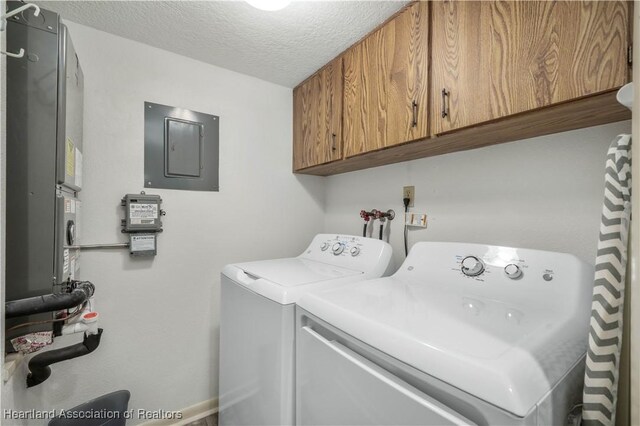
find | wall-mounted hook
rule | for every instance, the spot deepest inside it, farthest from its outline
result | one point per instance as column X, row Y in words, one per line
column 20, row 54
column 3, row 18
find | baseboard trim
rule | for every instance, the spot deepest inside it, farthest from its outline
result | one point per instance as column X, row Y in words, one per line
column 11, row 364
column 190, row 414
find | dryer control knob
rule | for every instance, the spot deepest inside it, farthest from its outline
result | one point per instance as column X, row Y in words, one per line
column 472, row 266
column 513, row 271
column 337, row 248
column 354, row 251
column 324, row 246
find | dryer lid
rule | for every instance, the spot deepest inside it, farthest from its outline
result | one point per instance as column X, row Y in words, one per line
column 505, row 341
column 506, row 356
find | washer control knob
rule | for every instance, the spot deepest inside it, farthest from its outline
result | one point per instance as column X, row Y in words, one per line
column 354, row 251
column 472, row 266
column 324, row 246
column 513, row 271
column 337, row 248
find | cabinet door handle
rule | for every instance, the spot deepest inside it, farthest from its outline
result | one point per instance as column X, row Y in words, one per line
column 445, row 106
column 333, row 141
column 414, row 106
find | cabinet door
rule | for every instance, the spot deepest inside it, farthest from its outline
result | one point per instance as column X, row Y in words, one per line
column 386, row 84
column 317, row 118
column 497, row 58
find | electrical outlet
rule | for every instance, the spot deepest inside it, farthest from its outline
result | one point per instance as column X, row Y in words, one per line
column 410, row 193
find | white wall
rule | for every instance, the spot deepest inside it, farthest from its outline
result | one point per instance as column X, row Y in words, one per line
column 160, row 315
column 543, row 193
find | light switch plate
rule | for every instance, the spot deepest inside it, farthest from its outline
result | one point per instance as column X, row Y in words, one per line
column 416, row 219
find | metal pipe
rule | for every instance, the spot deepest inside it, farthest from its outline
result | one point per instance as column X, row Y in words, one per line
column 98, row 246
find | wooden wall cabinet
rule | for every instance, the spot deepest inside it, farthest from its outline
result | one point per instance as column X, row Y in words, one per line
column 317, row 118
column 386, row 84
column 447, row 76
column 492, row 59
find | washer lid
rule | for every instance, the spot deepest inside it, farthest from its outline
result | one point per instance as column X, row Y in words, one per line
column 295, row 271
column 506, row 356
column 285, row 280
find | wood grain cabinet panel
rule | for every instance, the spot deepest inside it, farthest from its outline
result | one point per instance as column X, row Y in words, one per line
column 493, row 59
column 317, row 118
column 386, row 84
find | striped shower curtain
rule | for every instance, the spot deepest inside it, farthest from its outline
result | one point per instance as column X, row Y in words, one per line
column 605, row 334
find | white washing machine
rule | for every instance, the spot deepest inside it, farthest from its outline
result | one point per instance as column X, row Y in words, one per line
column 462, row 334
column 258, row 316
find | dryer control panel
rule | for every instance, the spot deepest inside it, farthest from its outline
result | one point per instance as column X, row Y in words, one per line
column 522, row 276
column 477, row 265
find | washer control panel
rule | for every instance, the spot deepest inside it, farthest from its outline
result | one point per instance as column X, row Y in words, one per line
column 350, row 251
column 337, row 248
column 343, row 246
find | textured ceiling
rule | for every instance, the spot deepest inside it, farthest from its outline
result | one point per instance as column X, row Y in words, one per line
column 283, row 47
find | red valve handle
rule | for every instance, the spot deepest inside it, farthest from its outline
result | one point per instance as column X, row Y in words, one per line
column 365, row 215
column 382, row 215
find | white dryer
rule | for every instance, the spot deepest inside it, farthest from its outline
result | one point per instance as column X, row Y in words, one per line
column 258, row 316
column 462, row 334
